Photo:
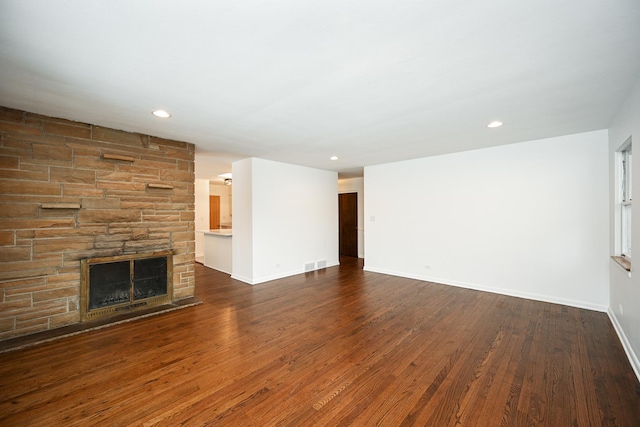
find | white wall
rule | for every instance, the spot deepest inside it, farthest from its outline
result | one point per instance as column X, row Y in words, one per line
column 625, row 290
column 356, row 185
column 294, row 219
column 242, row 240
column 201, row 208
column 528, row 219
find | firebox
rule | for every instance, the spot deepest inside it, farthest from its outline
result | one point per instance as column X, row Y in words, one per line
column 111, row 285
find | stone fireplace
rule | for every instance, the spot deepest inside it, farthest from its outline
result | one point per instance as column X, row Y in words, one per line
column 110, row 285
column 73, row 191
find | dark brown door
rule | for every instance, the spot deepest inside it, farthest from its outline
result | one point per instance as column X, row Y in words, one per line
column 348, row 217
column 214, row 212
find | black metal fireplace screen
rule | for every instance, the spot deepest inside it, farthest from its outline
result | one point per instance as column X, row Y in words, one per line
column 127, row 282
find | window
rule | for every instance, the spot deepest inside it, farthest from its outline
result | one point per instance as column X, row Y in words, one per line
column 624, row 198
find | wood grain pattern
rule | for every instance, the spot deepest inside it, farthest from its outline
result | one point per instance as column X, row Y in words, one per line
column 333, row 347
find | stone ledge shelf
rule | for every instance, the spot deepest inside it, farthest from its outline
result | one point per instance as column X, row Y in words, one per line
column 107, row 156
column 60, row 205
column 160, row 186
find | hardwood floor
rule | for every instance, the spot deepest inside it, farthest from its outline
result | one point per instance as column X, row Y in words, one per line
column 334, row 347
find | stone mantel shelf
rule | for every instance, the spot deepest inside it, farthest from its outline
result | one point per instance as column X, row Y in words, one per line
column 60, row 205
column 160, row 186
column 107, row 156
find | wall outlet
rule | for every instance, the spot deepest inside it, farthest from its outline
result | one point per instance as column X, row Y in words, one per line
column 322, row 264
column 309, row 266
column 620, row 309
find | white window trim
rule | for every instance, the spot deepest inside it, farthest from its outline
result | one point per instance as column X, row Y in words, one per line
column 624, row 196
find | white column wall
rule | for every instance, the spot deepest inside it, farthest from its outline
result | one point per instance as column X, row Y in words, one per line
column 242, row 240
column 294, row 219
column 528, row 219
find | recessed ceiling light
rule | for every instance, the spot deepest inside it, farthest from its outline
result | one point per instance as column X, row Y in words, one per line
column 161, row 113
column 495, row 124
column 334, row 157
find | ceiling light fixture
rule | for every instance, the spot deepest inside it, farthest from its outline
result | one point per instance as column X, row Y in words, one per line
column 161, row 113
column 334, row 157
column 227, row 181
column 495, row 124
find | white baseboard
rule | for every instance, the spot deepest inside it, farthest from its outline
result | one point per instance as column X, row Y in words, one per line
column 631, row 355
column 243, row 279
column 278, row 276
column 217, row 269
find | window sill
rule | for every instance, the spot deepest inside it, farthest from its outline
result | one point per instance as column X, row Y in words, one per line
column 622, row 262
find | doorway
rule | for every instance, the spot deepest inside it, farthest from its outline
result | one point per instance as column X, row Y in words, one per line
column 214, row 212
column 348, row 219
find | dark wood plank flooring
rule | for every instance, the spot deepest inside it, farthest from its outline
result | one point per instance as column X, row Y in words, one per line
column 334, row 347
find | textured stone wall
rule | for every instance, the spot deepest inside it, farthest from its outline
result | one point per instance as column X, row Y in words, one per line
column 71, row 190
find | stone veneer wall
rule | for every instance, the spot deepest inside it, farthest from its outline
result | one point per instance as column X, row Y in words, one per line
column 71, row 190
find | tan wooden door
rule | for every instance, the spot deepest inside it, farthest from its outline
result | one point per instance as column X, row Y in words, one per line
column 214, row 212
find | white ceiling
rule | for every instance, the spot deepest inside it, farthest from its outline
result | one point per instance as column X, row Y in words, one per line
column 298, row 81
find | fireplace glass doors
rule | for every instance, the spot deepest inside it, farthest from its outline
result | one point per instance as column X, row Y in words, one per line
column 127, row 282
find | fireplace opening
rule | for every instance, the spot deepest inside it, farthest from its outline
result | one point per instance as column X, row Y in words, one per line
column 126, row 282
